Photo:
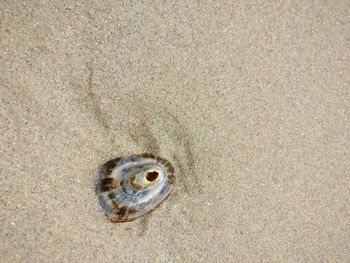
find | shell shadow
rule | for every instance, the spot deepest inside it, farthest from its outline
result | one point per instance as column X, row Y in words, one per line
column 159, row 132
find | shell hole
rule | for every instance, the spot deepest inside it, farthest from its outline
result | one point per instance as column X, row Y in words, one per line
column 151, row 176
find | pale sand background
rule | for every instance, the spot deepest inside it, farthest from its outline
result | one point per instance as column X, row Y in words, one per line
column 249, row 100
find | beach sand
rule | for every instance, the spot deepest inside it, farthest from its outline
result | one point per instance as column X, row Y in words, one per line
column 249, row 101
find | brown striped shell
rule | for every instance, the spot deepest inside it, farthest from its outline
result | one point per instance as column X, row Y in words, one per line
column 132, row 186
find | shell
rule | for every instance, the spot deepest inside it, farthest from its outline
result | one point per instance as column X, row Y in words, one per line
column 132, row 186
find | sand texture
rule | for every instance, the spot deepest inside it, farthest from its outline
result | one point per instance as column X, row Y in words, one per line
column 249, row 100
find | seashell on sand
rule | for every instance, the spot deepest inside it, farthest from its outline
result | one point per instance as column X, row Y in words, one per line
column 132, row 186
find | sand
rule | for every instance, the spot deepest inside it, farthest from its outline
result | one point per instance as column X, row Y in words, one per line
column 248, row 100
